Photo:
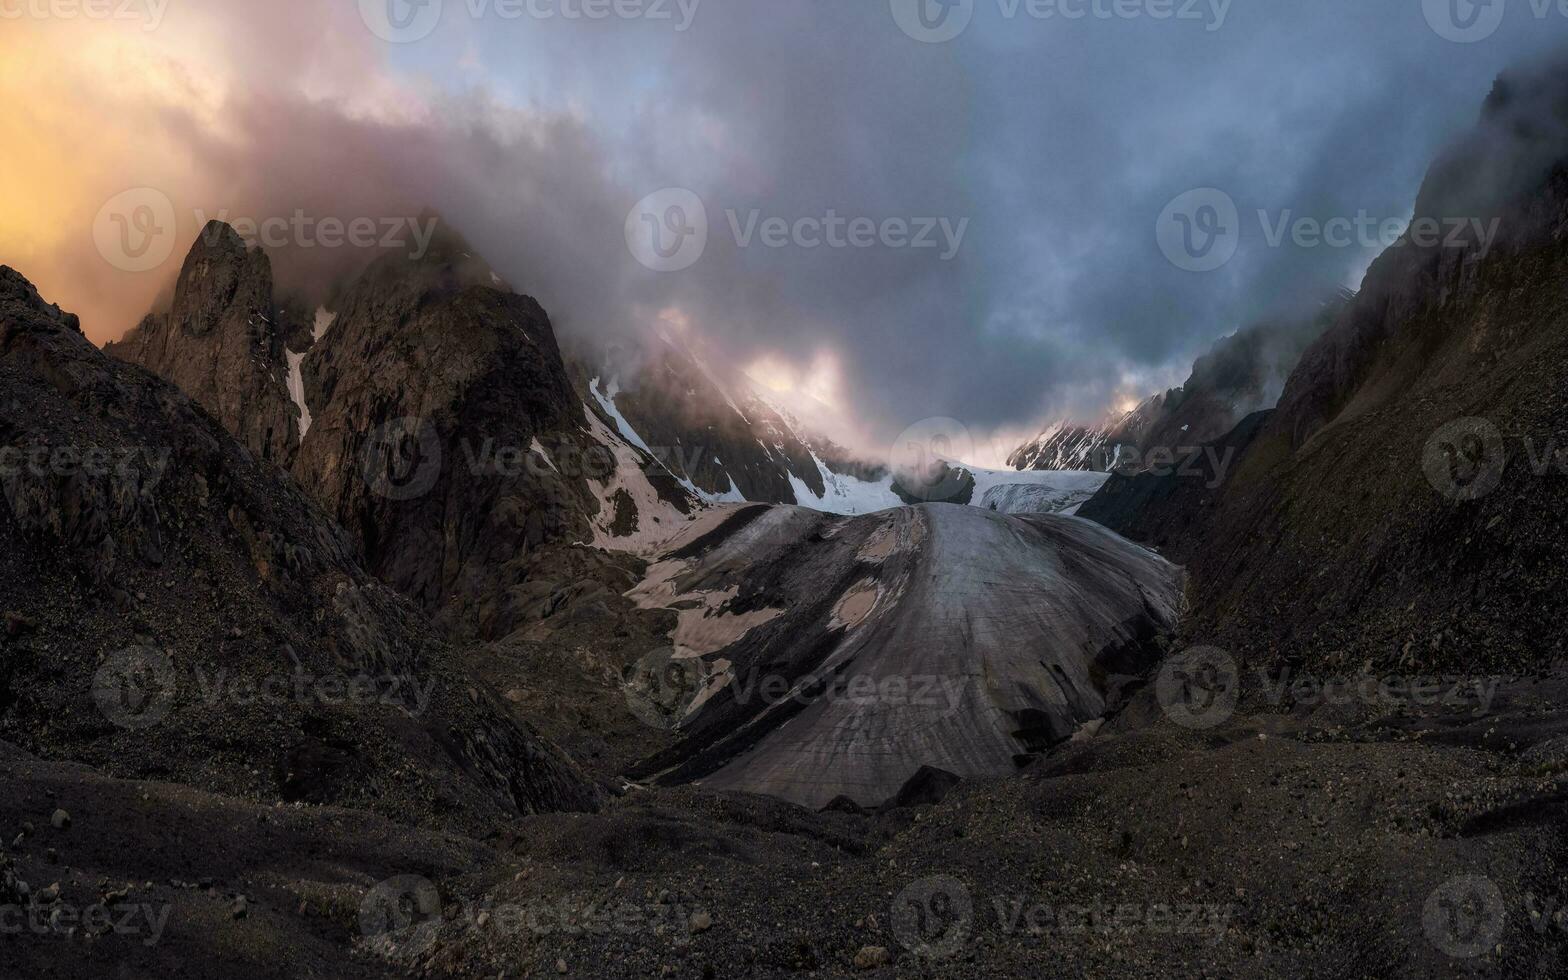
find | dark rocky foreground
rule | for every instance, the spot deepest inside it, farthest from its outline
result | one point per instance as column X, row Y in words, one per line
column 1327, row 843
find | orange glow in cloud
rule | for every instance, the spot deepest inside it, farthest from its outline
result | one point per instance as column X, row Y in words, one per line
column 819, row 381
column 97, row 107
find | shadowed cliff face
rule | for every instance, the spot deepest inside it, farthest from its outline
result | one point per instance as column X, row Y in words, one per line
column 443, row 433
column 1404, row 504
column 721, row 438
column 820, row 657
column 221, row 343
column 440, row 407
column 178, row 609
column 1241, row 374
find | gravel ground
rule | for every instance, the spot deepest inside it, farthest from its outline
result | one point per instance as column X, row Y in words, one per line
column 1284, row 842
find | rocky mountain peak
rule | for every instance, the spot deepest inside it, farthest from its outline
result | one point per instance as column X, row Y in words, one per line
column 221, row 342
column 22, row 308
column 222, row 279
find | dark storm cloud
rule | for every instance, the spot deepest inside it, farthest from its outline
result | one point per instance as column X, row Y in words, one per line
column 1061, row 142
column 1052, row 146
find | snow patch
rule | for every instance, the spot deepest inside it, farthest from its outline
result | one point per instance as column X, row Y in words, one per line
column 657, row 519
column 297, row 390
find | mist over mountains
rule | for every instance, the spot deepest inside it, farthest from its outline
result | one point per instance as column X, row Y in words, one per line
column 536, row 521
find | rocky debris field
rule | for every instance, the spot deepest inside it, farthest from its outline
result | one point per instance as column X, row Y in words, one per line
column 1306, row 842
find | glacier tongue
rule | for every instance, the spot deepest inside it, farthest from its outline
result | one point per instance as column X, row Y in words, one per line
column 938, row 635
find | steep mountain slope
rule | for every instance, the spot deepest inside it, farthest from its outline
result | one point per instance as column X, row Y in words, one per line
column 1403, row 504
column 724, row 445
column 222, row 343
column 445, row 436
column 429, row 413
column 177, row 609
column 1242, row 374
column 824, row 657
column 734, row 442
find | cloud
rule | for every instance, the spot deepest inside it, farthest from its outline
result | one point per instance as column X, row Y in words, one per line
column 1053, row 144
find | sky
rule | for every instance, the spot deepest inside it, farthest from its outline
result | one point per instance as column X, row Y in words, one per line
column 1005, row 212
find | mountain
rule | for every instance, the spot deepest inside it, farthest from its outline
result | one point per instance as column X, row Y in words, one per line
column 735, row 441
column 221, row 342
column 675, row 406
column 1070, row 447
column 1241, row 374
column 439, row 426
column 178, row 610
column 820, row 657
column 1401, row 505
